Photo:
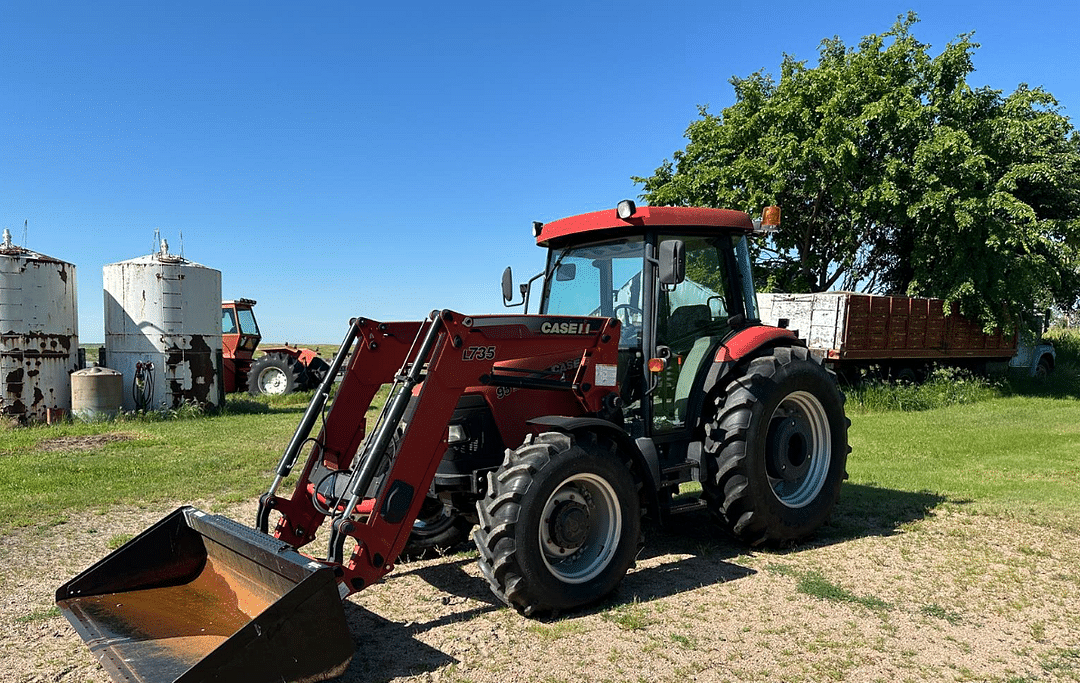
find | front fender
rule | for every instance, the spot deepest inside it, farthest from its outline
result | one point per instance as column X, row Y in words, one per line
column 646, row 465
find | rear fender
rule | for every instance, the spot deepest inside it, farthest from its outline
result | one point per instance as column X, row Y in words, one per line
column 745, row 345
column 305, row 356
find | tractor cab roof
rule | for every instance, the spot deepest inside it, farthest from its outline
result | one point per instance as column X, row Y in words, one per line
column 633, row 220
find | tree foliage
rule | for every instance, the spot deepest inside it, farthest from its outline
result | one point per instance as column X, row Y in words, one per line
column 895, row 177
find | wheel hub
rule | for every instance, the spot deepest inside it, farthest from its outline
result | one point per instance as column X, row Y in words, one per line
column 569, row 524
column 789, row 444
column 580, row 527
column 272, row 381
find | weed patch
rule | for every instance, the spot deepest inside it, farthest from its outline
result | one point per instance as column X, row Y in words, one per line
column 1061, row 661
column 946, row 386
column 630, row 617
column 939, row 612
column 119, row 540
column 40, row 615
column 555, row 631
column 814, row 584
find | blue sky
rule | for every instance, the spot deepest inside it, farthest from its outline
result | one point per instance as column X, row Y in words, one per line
column 384, row 159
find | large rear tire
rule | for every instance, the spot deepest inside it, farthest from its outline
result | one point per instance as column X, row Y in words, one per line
column 777, row 448
column 560, row 523
column 316, row 372
column 275, row 374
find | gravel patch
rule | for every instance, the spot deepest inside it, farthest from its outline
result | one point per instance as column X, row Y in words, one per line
column 948, row 597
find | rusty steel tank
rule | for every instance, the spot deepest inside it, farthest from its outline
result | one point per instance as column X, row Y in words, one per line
column 163, row 330
column 39, row 334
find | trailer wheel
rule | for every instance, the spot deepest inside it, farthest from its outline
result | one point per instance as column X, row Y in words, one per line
column 275, row 374
column 778, row 447
column 437, row 528
column 560, row 523
column 1042, row 368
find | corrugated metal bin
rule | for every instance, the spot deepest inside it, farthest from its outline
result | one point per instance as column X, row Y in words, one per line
column 39, row 338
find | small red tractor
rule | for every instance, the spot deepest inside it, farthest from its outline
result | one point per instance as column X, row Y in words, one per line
column 280, row 370
column 549, row 435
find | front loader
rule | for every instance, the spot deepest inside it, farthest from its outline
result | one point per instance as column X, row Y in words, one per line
column 550, row 436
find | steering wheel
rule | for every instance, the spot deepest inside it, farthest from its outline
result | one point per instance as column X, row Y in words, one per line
column 631, row 311
column 631, row 333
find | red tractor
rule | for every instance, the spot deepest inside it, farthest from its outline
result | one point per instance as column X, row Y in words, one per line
column 280, row 370
column 550, row 435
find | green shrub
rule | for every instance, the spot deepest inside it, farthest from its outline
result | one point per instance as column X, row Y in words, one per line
column 945, row 386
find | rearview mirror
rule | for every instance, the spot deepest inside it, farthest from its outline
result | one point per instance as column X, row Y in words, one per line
column 507, row 286
column 672, row 262
column 566, row 272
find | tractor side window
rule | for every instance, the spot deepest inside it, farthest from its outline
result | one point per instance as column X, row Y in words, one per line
column 691, row 318
column 228, row 321
column 598, row 280
column 247, row 322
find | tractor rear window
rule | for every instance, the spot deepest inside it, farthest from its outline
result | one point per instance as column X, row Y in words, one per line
column 228, row 321
column 247, row 321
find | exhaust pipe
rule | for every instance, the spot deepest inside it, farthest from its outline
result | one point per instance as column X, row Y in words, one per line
column 199, row 598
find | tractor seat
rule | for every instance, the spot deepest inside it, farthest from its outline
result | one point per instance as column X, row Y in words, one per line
column 691, row 366
column 685, row 325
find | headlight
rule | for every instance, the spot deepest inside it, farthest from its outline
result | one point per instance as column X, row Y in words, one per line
column 456, row 434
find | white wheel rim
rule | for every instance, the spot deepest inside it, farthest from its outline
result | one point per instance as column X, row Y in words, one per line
column 804, row 490
column 272, row 381
column 581, row 562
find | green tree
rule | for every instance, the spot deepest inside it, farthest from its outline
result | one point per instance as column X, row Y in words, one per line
column 895, row 177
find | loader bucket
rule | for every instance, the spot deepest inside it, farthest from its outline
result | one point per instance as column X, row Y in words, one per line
column 198, row 597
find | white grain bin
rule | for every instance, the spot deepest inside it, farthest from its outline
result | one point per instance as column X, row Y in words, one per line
column 96, row 393
column 163, row 330
column 39, row 333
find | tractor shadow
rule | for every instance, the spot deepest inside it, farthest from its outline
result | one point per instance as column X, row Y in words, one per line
column 388, row 650
column 865, row 510
column 690, row 553
column 694, row 552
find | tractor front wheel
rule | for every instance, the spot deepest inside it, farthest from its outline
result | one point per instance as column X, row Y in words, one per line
column 275, row 374
column 560, row 523
column 778, row 448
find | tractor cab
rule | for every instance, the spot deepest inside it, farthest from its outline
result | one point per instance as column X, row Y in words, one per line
column 678, row 281
column 239, row 332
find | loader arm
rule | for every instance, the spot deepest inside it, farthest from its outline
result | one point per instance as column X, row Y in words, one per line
column 383, row 476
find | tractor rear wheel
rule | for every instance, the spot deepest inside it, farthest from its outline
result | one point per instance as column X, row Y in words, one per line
column 560, row 523
column 316, row 372
column 778, row 448
column 275, row 374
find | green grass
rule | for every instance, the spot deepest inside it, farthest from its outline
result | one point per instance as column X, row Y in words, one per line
column 816, row 585
column 177, row 457
column 1009, row 447
column 1018, row 454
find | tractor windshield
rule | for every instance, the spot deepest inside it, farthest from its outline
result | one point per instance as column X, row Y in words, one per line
column 598, row 280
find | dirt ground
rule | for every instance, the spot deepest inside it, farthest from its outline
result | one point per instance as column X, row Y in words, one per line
column 944, row 595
